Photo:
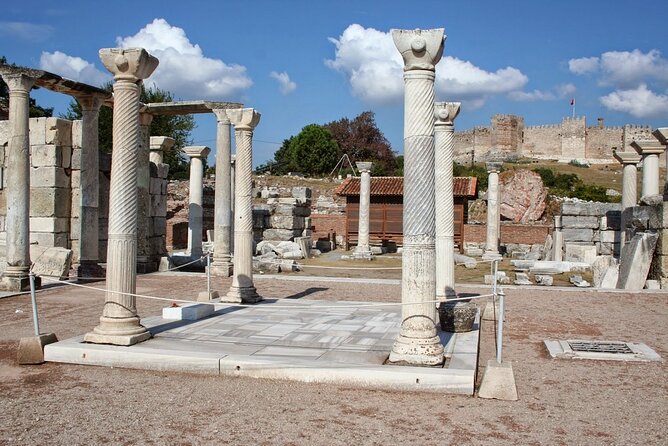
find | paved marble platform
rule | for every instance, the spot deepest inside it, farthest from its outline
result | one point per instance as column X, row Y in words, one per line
column 311, row 341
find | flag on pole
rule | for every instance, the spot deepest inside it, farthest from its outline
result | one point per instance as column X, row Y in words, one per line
column 572, row 101
column 573, row 106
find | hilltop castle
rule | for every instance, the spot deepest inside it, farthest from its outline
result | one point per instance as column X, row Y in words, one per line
column 508, row 138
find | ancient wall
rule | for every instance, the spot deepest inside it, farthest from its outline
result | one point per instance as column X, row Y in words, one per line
column 601, row 140
column 542, row 142
column 592, row 224
column 507, row 133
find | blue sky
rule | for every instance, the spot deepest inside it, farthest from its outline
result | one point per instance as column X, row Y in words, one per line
column 300, row 62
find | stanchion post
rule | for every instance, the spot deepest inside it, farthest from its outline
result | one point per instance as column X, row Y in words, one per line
column 499, row 340
column 33, row 300
column 208, row 274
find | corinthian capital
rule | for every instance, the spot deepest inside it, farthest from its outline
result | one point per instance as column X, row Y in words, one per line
column 133, row 64
column 421, row 49
column 446, row 112
column 244, row 118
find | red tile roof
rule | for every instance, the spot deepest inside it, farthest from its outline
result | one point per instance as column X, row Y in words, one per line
column 394, row 186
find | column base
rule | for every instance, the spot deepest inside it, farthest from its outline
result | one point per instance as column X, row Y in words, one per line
column 417, row 351
column 246, row 295
column 90, row 269
column 362, row 255
column 18, row 284
column 223, row 269
column 491, row 255
column 118, row 331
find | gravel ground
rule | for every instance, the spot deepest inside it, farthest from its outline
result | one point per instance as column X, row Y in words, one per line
column 561, row 401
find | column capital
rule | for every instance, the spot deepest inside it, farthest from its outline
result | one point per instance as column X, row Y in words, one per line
column 648, row 147
column 162, row 143
column 244, row 118
column 421, row 49
column 626, row 157
column 493, row 166
column 89, row 102
column 128, row 64
column 18, row 82
column 145, row 118
column 221, row 115
column 446, row 112
column 364, row 166
column 197, row 151
column 662, row 135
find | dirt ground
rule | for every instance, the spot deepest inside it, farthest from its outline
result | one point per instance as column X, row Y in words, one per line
column 561, row 401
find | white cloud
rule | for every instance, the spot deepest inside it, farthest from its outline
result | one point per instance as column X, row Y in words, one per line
column 286, row 86
column 624, row 69
column 374, row 70
column 583, row 65
column 71, row 67
column 559, row 92
column 184, row 70
column 639, row 102
column 26, row 31
column 566, row 90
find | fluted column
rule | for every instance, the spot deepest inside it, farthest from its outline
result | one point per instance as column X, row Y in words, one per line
column 197, row 156
column 650, row 151
column 661, row 134
column 445, row 114
column 222, row 258
column 243, row 289
column 418, row 341
column 158, row 146
column 363, row 249
column 492, row 242
column 119, row 323
column 89, row 189
column 15, row 277
column 145, row 264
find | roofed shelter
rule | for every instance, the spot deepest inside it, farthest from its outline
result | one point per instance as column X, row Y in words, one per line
column 386, row 209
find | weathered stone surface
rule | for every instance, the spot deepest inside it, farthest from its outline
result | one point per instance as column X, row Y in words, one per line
column 280, row 234
column 468, row 262
column 50, row 202
column 49, row 177
column 46, row 155
column 588, row 208
column 610, row 277
column 31, row 350
column 522, row 279
column 522, row 195
column 457, row 317
column 599, row 268
column 580, row 253
column 636, row 260
column 544, row 279
column 583, row 221
column 578, row 235
column 301, row 193
column 611, row 220
column 578, row 281
column 286, row 222
column 51, row 262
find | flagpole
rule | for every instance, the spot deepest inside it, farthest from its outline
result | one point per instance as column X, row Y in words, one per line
column 573, row 107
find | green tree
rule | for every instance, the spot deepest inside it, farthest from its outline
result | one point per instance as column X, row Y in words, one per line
column 282, row 163
column 36, row 111
column 178, row 127
column 362, row 140
column 313, row 151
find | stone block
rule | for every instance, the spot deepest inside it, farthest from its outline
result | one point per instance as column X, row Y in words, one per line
column 37, row 131
column 75, row 208
column 286, row 222
column 612, row 220
column 158, row 206
column 4, row 133
column 49, row 224
column 579, row 222
column 46, row 155
column 77, row 134
column 163, row 170
column 606, row 249
column 580, row 253
column 58, row 132
column 49, row 177
column 155, row 186
column 588, row 208
column 280, row 234
column 544, row 279
column 578, row 235
column 301, row 193
column 609, row 236
column 51, row 262
column 643, row 217
column 159, row 225
column 31, row 350
column 75, row 229
column 75, row 179
column 67, row 157
column 59, row 239
column 636, row 260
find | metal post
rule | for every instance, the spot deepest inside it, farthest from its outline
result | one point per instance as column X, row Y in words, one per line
column 33, row 300
column 208, row 275
column 499, row 340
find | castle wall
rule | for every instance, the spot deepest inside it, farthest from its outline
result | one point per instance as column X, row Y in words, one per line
column 542, row 141
column 573, row 138
column 506, row 134
column 600, row 141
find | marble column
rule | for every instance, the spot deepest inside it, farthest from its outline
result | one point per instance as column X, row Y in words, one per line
column 650, row 151
column 418, row 341
column 558, row 240
column 158, row 146
column 661, row 134
column 492, row 241
column 197, row 156
column 629, row 161
column 89, row 188
column 17, row 181
column 363, row 249
column 243, row 289
column 120, row 323
column 233, row 172
column 145, row 264
column 222, row 258
column 445, row 114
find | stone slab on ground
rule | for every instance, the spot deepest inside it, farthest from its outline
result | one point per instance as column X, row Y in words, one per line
column 31, row 350
column 635, row 261
column 51, row 262
column 323, row 341
column 188, row 312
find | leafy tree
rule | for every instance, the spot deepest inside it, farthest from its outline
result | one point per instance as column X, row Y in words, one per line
column 362, row 140
column 476, row 170
column 282, row 163
column 36, row 111
column 178, row 127
column 313, row 151
column 570, row 185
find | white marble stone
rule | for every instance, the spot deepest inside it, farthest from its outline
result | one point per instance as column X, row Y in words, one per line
column 363, row 249
column 493, row 216
column 197, row 156
column 222, row 257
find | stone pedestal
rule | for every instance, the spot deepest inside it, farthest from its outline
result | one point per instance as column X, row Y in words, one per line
column 88, row 223
column 243, row 289
column 222, row 256
column 445, row 114
column 119, row 323
column 197, row 156
column 650, row 151
column 17, row 185
column 418, row 342
column 493, row 217
column 363, row 248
